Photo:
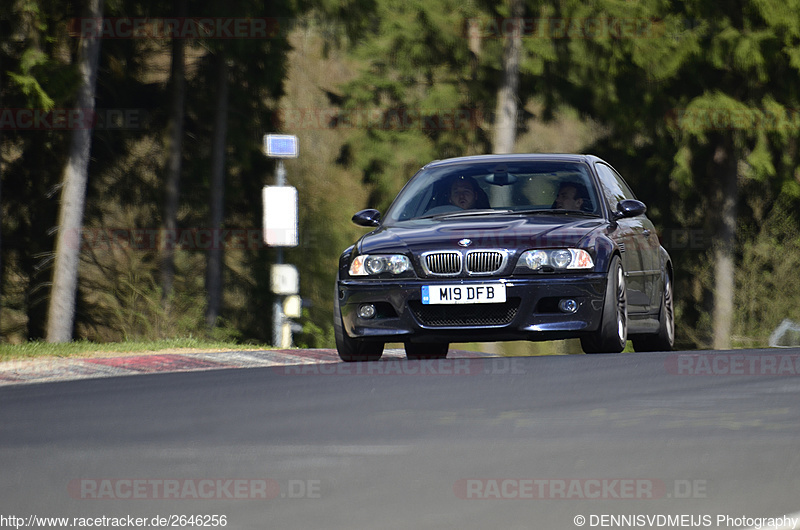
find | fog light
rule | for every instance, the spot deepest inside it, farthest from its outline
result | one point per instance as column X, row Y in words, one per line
column 366, row 311
column 568, row 305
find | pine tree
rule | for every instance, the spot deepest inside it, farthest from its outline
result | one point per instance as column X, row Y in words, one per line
column 61, row 312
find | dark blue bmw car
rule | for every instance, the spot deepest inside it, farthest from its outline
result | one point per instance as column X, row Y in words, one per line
column 506, row 247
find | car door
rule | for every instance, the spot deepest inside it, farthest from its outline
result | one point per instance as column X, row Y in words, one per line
column 649, row 249
column 632, row 235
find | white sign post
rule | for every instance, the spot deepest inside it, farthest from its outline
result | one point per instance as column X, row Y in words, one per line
column 284, row 279
column 280, row 230
column 280, row 216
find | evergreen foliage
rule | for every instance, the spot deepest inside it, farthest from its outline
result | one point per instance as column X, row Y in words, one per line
column 374, row 89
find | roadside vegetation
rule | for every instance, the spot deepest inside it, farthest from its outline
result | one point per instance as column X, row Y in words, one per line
column 696, row 108
column 84, row 348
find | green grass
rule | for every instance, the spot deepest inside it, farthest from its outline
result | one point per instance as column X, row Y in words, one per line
column 30, row 350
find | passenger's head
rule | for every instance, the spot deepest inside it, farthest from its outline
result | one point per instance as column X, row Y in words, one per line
column 464, row 192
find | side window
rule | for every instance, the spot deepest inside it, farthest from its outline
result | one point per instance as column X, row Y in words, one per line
column 614, row 188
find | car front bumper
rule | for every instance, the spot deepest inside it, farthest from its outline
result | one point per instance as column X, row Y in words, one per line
column 530, row 312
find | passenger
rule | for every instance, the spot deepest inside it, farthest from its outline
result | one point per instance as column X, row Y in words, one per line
column 463, row 193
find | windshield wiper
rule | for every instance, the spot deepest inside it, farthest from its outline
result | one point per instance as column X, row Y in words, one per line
column 469, row 213
column 558, row 211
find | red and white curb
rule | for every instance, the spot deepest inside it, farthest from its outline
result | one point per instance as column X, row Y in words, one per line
column 50, row 369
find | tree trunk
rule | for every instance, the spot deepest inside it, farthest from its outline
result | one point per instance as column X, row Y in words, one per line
column 61, row 311
column 725, row 164
column 174, row 159
column 505, row 126
column 214, row 264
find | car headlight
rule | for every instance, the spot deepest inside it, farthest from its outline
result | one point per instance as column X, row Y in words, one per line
column 558, row 259
column 370, row 264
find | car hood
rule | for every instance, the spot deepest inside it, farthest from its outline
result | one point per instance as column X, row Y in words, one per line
column 518, row 232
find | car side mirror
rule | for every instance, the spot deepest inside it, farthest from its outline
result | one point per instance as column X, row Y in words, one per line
column 629, row 208
column 367, row 217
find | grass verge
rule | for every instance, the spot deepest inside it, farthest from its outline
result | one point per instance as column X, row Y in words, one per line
column 37, row 349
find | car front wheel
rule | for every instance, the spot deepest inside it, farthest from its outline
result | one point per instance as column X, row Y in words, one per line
column 612, row 334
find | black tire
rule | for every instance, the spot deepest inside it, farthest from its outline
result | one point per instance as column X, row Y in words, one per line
column 352, row 350
column 612, row 335
column 664, row 340
column 436, row 350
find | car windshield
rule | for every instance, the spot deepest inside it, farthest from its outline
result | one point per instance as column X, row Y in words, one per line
column 491, row 187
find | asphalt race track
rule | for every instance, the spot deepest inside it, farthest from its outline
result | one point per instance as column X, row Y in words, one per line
column 469, row 442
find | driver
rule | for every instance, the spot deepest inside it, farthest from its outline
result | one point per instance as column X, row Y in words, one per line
column 571, row 196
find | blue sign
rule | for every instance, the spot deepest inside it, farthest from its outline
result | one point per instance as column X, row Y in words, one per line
column 280, row 145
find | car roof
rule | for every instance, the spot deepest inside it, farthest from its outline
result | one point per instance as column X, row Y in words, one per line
column 515, row 157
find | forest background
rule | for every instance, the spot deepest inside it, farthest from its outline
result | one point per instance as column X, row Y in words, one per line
column 694, row 102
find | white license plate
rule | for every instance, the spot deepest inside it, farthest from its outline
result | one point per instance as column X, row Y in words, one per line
column 485, row 293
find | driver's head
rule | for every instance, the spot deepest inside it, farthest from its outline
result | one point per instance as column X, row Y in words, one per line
column 464, row 193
